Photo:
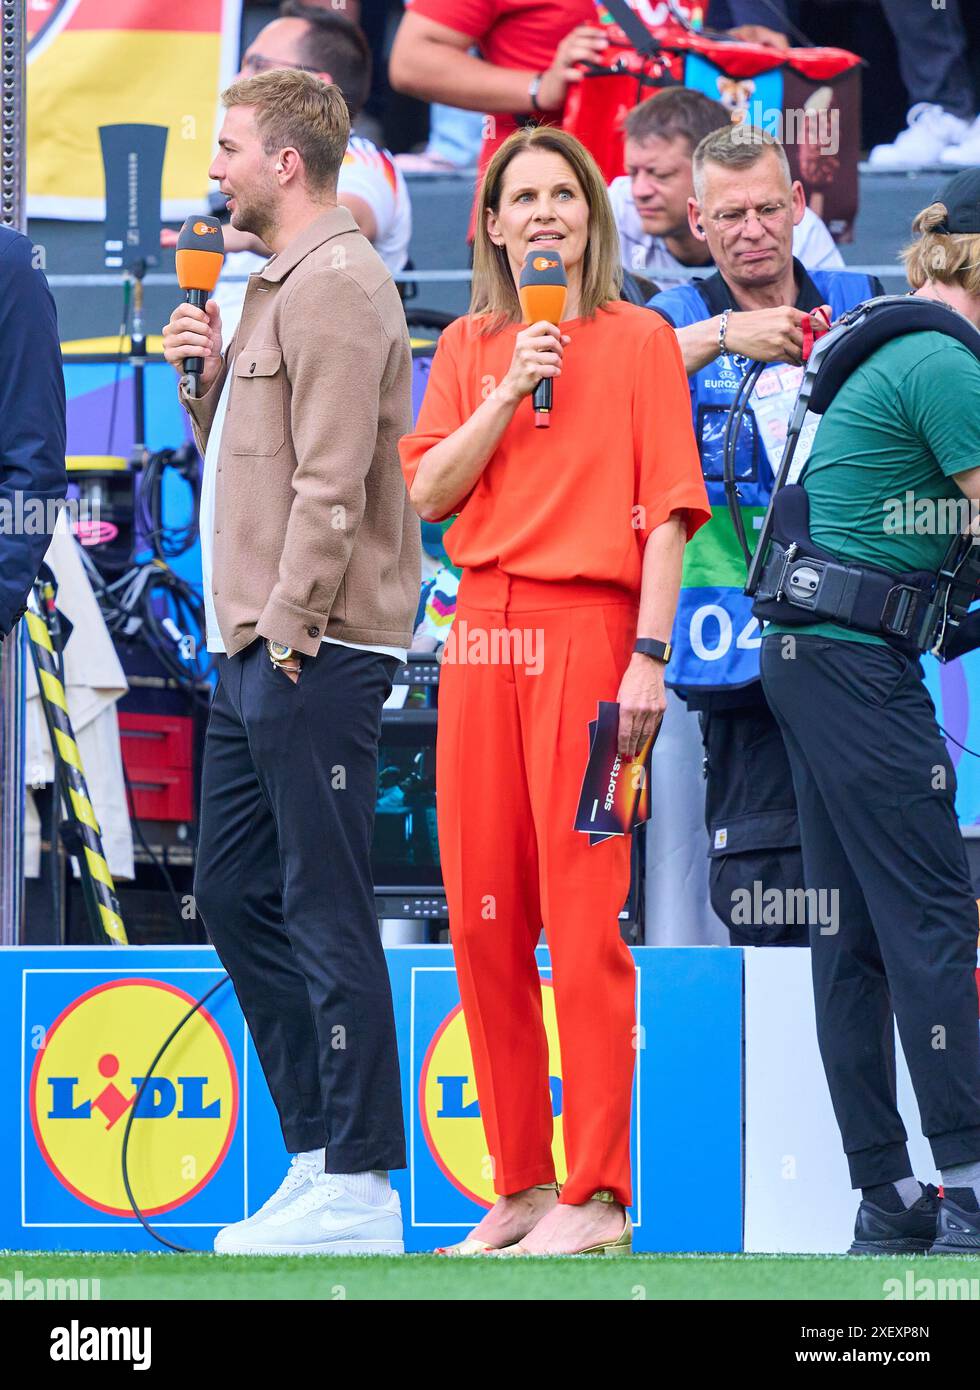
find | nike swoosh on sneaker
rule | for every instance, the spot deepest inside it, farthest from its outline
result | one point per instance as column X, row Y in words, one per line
column 333, row 1225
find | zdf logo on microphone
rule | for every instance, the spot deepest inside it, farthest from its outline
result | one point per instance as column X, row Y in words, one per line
column 544, row 262
column 84, row 1081
column 204, row 229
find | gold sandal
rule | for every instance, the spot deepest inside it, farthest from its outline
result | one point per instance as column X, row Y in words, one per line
column 472, row 1245
column 622, row 1245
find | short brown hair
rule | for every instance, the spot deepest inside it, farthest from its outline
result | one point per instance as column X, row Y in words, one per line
column 295, row 109
column 951, row 258
column 676, row 113
column 493, row 288
column 735, row 147
column 334, row 44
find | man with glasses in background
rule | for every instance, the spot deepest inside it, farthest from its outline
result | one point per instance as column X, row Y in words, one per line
column 752, row 309
column 650, row 200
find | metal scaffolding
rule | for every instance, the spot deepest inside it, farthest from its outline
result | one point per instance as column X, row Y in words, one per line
column 13, row 46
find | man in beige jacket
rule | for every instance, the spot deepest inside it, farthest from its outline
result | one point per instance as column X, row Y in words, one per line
column 310, row 559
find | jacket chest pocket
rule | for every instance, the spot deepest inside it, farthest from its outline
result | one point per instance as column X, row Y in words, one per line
column 258, row 409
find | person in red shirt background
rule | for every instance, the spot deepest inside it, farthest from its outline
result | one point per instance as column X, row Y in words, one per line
column 529, row 50
column 571, row 541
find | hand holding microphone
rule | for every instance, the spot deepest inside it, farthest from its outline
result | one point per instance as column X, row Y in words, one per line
column 192, row 338
column 538, row 352
column 543, row 291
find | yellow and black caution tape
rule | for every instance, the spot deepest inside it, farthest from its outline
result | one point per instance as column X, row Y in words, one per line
column 97, row 884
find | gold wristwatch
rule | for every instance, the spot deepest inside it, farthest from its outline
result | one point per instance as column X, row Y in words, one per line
column 278, row 652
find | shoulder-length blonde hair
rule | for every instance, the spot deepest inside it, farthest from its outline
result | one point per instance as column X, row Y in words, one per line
column 951, row 258
column 493, row 291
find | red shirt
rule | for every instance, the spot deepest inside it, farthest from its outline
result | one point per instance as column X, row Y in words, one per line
column 578, row 500
column 522, row 34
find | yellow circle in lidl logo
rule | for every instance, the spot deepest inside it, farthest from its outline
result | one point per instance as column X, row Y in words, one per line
column 450, row 1109
column 84, row 1082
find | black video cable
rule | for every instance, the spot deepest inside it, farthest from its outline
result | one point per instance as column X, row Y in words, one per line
column 179, row 1249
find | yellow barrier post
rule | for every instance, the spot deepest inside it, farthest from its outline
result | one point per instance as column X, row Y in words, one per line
column 97, row 885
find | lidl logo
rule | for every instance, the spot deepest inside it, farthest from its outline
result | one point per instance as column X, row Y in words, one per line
column 84, row 1082
column 450, row 1109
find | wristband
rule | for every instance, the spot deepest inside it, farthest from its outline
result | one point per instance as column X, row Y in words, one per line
column 533, row 88
column 722, row 333
column 649, row 646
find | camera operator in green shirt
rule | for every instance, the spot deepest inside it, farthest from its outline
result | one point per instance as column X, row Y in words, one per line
column 894, row 472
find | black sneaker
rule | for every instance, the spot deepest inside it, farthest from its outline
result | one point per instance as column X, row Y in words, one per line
column 908, row 1232
column 958, row 1231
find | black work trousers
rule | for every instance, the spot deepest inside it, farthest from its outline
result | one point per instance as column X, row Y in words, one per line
column 750, row 815
column 283, row 884
column 875, row 791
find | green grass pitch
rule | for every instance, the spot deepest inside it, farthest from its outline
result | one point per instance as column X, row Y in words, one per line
column 428, row 1277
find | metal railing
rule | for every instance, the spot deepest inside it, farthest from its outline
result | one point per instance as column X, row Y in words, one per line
column 108, row 280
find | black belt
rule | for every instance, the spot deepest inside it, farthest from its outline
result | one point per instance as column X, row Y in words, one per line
column 821, row 590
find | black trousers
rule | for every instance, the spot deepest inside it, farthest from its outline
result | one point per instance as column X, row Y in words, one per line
column 750, row 816
column 875, row 790
column 932, row 57
column 283, row 884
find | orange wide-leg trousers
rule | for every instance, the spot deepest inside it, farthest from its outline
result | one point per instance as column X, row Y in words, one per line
column 513, row 741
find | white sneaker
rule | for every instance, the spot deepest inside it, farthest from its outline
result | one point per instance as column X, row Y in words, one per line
column 967, row 153
column 930, row 130
column 302, row 1169
column 322, row 1219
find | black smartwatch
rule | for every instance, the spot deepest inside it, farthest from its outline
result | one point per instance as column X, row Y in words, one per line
column 649, row 646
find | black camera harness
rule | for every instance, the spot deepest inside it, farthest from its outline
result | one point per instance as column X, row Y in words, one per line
column 794, row 581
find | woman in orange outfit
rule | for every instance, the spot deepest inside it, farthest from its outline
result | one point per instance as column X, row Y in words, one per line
column 570, row 540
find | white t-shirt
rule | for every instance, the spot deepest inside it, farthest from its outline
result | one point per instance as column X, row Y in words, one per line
column 214, row 641
column 645, row 254
column 366, row 172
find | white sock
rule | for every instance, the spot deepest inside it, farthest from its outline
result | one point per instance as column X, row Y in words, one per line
column 372, row 1188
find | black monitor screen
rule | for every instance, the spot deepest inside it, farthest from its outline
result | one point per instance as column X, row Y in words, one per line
column 405, row 852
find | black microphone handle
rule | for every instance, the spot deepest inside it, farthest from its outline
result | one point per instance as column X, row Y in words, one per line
column 543, row 394
column 194, row 366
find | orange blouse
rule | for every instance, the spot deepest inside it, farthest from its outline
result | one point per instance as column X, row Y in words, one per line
column 579, row 499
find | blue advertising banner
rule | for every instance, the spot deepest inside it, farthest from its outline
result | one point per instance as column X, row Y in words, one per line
column 955, row 691
column 79, row 1028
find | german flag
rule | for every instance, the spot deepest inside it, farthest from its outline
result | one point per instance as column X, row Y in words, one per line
column 92, row 63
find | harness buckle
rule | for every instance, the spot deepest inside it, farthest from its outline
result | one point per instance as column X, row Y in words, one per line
column 787, row 559
column 899, row 610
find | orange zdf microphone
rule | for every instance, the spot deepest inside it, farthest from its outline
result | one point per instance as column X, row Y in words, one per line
column 543, row 290
column 200, row 253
